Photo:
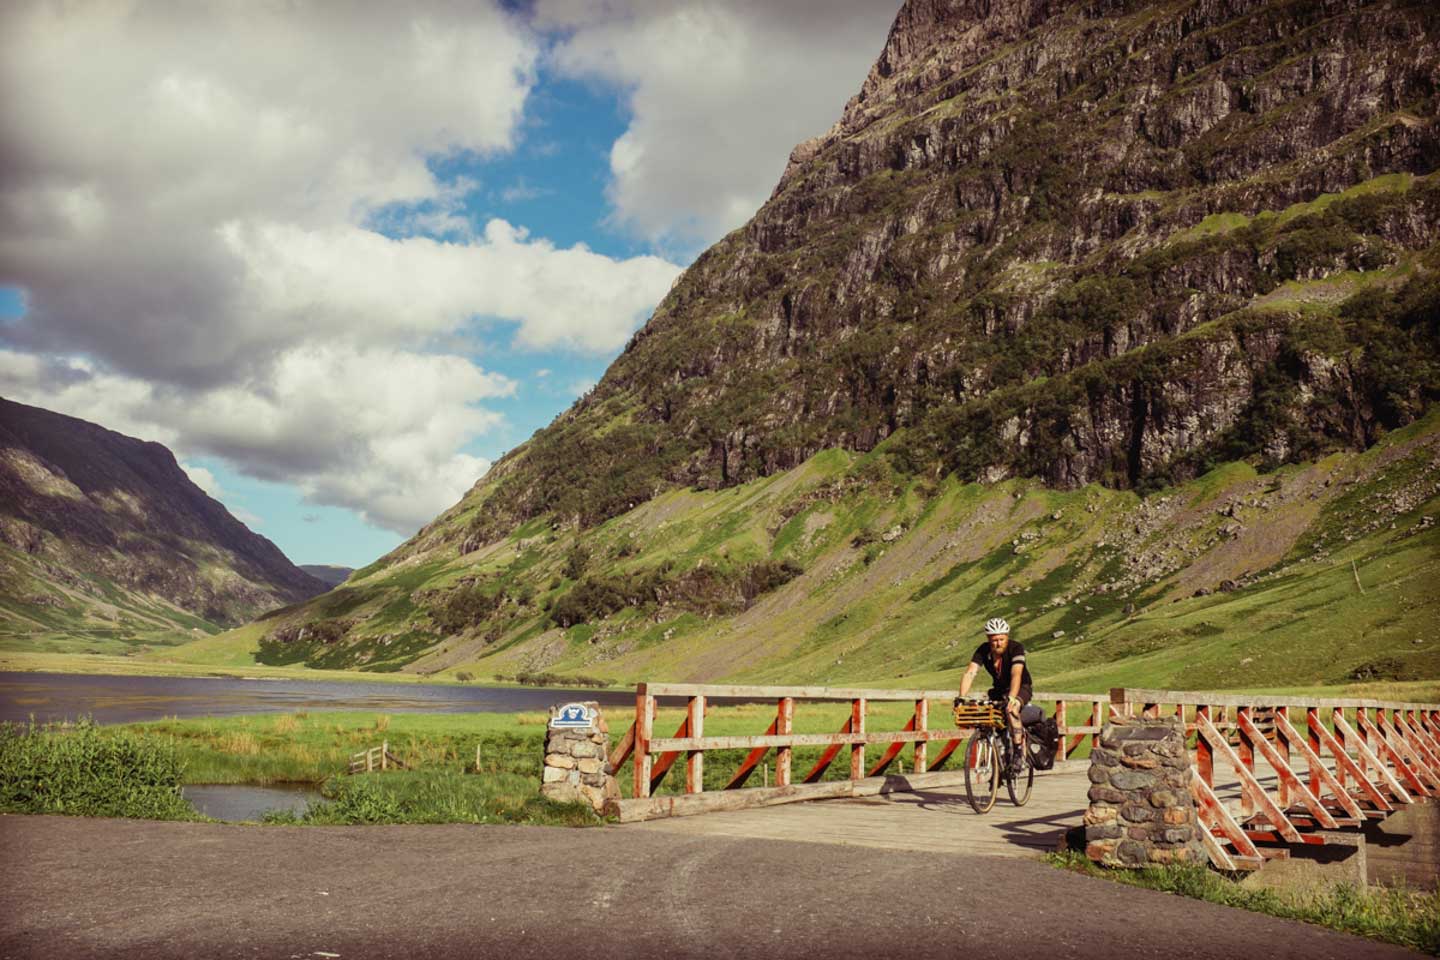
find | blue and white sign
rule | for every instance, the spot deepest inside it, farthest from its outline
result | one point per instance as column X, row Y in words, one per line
column 573, row 716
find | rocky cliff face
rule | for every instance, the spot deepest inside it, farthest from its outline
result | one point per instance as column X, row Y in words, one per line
column 93, row 519
column 1090, row 242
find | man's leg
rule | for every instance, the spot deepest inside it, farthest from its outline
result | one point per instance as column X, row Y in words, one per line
column 1017, row 736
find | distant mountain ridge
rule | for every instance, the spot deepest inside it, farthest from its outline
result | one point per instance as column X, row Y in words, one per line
column 100, row 531
column 327, row 573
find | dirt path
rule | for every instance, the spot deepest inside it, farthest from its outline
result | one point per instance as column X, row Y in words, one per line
column 79, row 888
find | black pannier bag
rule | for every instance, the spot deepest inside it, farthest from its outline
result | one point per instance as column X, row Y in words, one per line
column 1044, row 743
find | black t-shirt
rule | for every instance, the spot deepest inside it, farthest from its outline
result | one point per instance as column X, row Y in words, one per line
column 1014, row 653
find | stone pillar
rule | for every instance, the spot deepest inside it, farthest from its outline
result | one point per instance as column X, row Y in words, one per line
column 1141, row 811
column 576, row 757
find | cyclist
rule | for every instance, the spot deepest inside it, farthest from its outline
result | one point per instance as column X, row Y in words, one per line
column 1004, row 660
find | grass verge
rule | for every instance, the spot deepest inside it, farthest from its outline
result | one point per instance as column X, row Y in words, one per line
column 309, row 747
column 437, row 796
column 138, row 770
column 1393, row 914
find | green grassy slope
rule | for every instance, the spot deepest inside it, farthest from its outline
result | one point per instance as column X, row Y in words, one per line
column 1236, row 579
column 45, row 608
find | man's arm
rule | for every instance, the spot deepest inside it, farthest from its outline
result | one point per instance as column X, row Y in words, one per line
column 1016, row 673
column 969, row 678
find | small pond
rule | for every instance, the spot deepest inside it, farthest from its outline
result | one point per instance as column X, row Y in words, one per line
column 235, row 802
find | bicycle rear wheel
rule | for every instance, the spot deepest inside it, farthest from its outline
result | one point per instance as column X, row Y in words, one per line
column 1019, row 784
column 982, row 771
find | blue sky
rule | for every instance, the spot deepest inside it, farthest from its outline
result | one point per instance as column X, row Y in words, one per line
column 339, row 293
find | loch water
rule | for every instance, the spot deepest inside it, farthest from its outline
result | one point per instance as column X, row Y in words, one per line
column 131, row 699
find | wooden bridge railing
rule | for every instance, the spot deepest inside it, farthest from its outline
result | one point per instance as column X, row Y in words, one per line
column 653, row 757
column 1363, row 760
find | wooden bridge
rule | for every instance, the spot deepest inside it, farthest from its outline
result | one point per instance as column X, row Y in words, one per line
column 1261, row 787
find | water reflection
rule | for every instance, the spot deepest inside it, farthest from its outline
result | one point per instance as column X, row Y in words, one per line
column 236, row 802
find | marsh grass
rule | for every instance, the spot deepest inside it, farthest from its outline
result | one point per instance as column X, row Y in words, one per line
column 136, row 770
column 311, row 747
column 437, row 796
column 1399, row 915
column 240, row 742
column 82, row 771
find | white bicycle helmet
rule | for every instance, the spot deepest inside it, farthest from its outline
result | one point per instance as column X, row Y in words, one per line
column 996, row 625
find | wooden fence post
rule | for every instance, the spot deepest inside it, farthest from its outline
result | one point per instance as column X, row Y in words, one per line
column 784, row 725
column 1338, row 714
column 1282, row 747
column 1204, row 753
column 922, row 725
column 857, row 750
column 644, row 729
column 384, row 754
column 1247, row 757
column 1363, row 736
column 1063, row 725
column 695, row 760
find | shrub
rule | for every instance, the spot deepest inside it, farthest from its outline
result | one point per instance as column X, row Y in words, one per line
column 576, row 562
column 464, row 608
column 760, row 578
column 83, row 772
column 539, row 678
column 590, row 599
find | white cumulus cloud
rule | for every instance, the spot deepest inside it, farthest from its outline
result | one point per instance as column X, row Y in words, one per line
column 192, row 197
column 375, row 430
column 719, row 92
column 203, row 479
column 334, row 280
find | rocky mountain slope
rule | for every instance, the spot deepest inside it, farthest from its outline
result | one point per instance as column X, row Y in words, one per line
column 104, row 541
column 1100, row 254
column 1000, row 243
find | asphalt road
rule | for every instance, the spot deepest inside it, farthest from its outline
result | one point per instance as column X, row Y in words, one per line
column 79, row 888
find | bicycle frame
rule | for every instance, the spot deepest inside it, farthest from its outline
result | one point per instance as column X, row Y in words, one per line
column 989, row 756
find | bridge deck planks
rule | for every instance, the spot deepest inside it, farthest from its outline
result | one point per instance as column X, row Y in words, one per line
column 933, row 820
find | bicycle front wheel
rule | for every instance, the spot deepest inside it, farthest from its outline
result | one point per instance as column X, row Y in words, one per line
column 1019, row 784
column 982, row 771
